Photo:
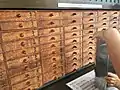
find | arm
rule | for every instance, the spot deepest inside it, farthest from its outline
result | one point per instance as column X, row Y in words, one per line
column 112, row 38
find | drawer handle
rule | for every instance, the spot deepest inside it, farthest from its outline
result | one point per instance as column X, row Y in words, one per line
column 21, row 35
column 52, row 30
column 74, row 64
column 52, row 38
column 26, row 67
column 90, row 37
column 104, row 13
column 90, row 14
column 90, row 42
column 74, row 47
column 114, row 22
column 104, row 18
column 51, row 15
column 54, row 78
column 74, row 59
column 28, row 83
column 53, row 45
column 74, row 28
column 24, row 60
column 53, row 52
column 54, row 59
column 74, row 41
column 114, row 27
column 51, row 23
column 54, row 66
column 73, row 14
column 104, row 29
column 104, row 24
column 30, row 89
column 74, row 34
column 90, row 31
column 22, row 44
column 18, row 15
column 73, row 21
column 23, row 52
column 90, row 48
column 74, row 53
column 91, row 26
column 27, row 75
column 91, row 20
column 90, row 58
column 74, row 70
column 90, row 53
column 20, row 25
column 115, row 13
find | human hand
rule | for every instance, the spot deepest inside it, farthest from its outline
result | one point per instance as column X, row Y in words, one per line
column 113, row 80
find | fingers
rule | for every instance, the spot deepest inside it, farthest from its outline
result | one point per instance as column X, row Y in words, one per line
column 112, row 75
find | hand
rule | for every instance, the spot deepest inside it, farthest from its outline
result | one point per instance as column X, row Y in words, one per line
column 113, row 80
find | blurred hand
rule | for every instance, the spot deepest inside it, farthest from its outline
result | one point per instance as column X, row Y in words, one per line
column 113, row 80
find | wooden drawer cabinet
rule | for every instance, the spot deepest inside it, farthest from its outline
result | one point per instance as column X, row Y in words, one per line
column 48, row 15
column 22, row 77
column 73, row 28
column 16, row 35
column 72, row 14
column 16, row 15
column 24, row 84
column 17, row 25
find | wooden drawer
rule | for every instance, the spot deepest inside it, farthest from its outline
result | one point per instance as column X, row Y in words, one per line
column 50, row 46
column 16, row 15
column 11, row 36
column 103, row 13
column 50, row 31
column 73, row 67
column 72, row 53
column 24, row 84
column 114, row 13
column 48, row 15
column 50, row 76
column 103, row 19
column 73, row 28
column 22, row 77
column 72, row 41
column 50, row 24
column 89, row 26
column 87, row 32
column 49, row 39
column 87, row 37
column 53, row 67
column 2, row 66
column 32, row 87
column 3, row 75
column 89, row 20
column 22, row 61
column 16, row 45
column 18, row 25
column 72, row 35
column 89, row 42
column 72, row 14
column 72, row 22
column 89, row 13
column 72, row 47
column 103, row 24
column 19, row 53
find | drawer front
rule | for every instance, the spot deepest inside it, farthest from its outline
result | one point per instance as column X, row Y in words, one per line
column 49, row 24
column 73, row 28
column 72, row 53
column 89, row 13
column 50, row 46
column 72, row 41
column 19, row 53
column 72, row 22
column 114, row 24
column 114, row 14
column 18, row 25
column 71, row 14
column 10, row 36
column 89, row 20
column 3, row 79
column 2, row 66
column 48, row 15
column 87, row 32
column 24, row 84
column 89, row 43
column 16, row 15
column 72, row 35
column 51, row 31
column 22, row 77
column 72, row 47
column 103, row 13
column 103, row 24
column 103, row 19
column 16, row 45
column 89, row 26
column 21, row 61
column 49, row 39
column 87, row 37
